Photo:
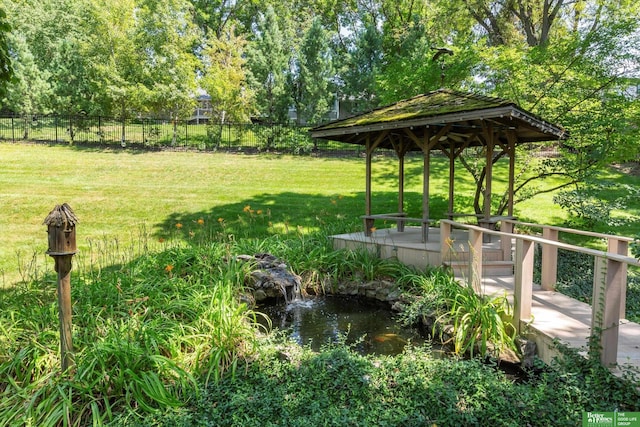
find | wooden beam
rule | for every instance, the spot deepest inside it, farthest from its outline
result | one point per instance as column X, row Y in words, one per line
column 377, row 141
column 511, row 149
column 429, row 142
column 489, row 139
column 367, row 197
column 401, row 148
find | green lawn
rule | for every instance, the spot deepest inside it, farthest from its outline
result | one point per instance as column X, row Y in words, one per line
column 161, row 337
column 116, row 194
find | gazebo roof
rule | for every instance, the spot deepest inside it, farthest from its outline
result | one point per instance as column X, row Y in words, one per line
column 466, row 116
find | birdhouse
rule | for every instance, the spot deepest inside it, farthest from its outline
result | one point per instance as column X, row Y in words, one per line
column 61, row 227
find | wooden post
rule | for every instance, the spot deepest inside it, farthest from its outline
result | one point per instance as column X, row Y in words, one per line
column 475, row 259
column 605, row 319
column 505, row 242
column 620, row 247
column 522, row 296
column 452, row 177
column 549, row 262
column 367, row 186
column 512, row 166
column 445, row 241
column 425, row 185
column 489, row 174
column 60, row 224
column 400, row 152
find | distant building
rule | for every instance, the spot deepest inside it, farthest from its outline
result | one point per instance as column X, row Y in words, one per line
column 332, row 114
column 203, row 110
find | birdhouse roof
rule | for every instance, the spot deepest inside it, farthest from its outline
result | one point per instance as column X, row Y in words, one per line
column 61, row 215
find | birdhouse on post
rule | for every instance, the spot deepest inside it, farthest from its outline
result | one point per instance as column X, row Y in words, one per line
column 61, row 227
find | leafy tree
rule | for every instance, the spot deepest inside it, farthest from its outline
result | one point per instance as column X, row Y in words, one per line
column 167, row 37
column 268, row 61
column 217, row 15
column 117, row 60
column 362, row 66
column 51, row 41
column 6, row 70
column 225, row 79
column 313, row 89
column 565, row 61
column 29, row 92
column 414, row 37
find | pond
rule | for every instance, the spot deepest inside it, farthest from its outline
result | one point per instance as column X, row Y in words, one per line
column 370, row 326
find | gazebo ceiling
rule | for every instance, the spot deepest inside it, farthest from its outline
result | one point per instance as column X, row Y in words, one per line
column 461, row 119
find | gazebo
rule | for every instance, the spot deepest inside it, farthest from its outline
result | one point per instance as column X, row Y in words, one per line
column 445, row 120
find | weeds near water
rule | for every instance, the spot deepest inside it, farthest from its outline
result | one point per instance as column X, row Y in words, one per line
column 480, row 321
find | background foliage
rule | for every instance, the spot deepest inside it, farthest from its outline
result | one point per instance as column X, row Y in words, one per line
column 575, row 63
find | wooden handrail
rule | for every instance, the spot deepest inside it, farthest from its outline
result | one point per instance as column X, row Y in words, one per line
column 571, row 230
column 595, row 252
column 609, row 283
column 615, row 244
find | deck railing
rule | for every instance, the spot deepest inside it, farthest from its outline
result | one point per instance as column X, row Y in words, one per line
column 609, row 281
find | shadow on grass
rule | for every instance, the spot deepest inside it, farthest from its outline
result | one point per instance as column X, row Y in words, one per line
column 282, row 213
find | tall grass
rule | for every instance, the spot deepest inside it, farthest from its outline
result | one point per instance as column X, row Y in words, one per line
column 147, row 332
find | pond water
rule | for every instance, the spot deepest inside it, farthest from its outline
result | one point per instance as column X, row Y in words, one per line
column 370, row 326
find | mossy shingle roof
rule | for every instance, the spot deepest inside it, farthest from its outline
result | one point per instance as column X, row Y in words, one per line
column 464, row 112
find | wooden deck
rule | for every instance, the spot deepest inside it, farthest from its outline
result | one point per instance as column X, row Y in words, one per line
column 554, row 316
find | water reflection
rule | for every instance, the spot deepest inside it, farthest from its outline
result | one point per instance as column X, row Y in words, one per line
column 325, row 319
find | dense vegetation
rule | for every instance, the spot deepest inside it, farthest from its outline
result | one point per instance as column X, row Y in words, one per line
column 163, row 338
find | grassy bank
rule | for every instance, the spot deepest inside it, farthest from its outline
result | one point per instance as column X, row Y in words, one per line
column 116, row 194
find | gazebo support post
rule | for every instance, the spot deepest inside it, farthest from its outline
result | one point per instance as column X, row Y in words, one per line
column 488, row 174
column 370, row 147
column 490, row 144
column 452, row 176
column 512, row 170
column 425, row 191
column 401, row 149
column 367, row 195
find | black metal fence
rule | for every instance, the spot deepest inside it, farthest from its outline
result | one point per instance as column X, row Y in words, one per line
column 152, row 134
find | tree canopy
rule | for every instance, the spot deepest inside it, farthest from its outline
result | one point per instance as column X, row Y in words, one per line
column 572, row 62
column 6, row 69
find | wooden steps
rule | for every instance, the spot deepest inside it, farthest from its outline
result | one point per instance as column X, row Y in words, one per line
column 495, row 268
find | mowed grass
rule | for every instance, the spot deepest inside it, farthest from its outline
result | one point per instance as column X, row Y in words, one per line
column 119, row 194
column 116, row 193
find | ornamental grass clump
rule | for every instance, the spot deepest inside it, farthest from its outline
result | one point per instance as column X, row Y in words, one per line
column 480, row 323
column 145, row 337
